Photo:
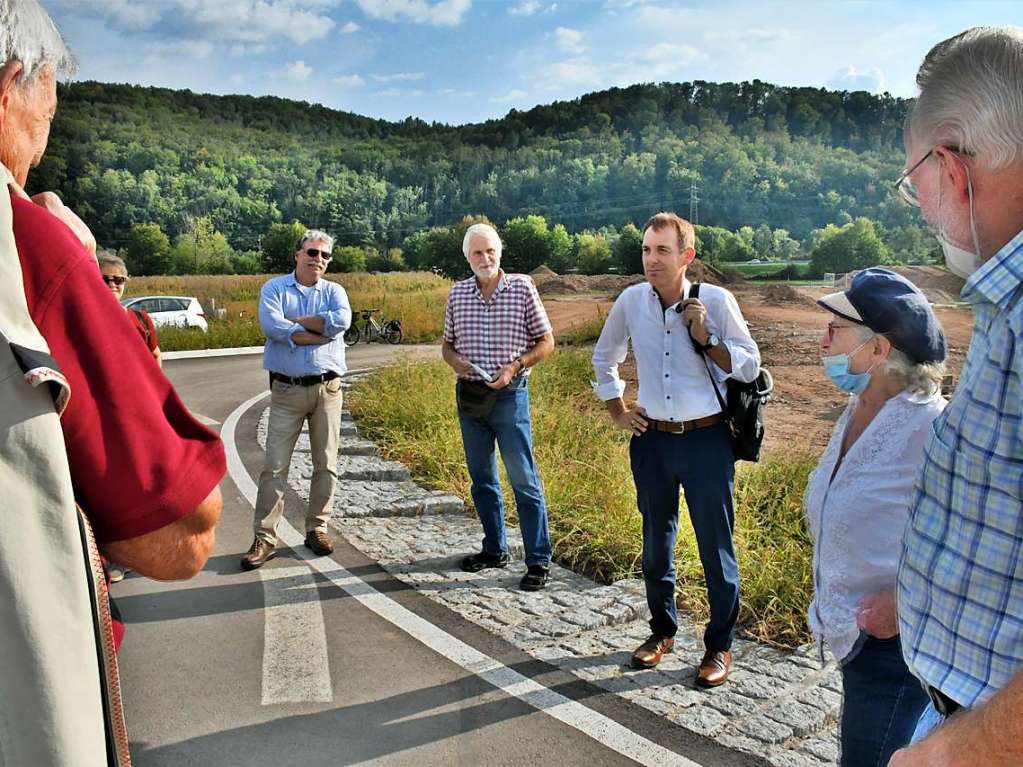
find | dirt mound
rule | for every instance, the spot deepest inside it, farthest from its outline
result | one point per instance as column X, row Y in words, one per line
column 549, row 282
column 785, row 294
column 940, row 286
column 543, row 271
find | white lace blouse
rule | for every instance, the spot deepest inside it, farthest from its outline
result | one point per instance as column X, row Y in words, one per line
column 857, row 519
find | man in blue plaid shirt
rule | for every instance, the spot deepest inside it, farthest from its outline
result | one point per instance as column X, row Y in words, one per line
column 960, row 589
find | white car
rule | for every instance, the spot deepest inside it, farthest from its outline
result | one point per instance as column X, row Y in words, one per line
column 177, row 311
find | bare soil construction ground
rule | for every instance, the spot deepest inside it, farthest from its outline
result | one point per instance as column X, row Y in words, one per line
column 786, row 323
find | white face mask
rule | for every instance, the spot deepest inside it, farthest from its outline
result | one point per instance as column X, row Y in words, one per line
column 960, row 261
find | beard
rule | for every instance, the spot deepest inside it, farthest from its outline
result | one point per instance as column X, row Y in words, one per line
column 486, row 272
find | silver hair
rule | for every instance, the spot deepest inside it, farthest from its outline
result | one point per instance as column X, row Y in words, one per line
column 109, row 259
column 28, row 35
column 485, row 230
column 971, row 95
column 313, row 235
column 923, row 377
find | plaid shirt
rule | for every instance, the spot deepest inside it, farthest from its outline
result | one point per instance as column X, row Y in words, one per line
column 960, row 590
column 493, row 334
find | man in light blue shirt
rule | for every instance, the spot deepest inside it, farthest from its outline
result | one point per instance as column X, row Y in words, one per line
column 304, row 318
column 960, row 587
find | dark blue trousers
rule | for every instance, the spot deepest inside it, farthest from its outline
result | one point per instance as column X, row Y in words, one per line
column 881, row 705
column 702, row 462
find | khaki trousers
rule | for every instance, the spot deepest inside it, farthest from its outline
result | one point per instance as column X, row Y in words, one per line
column 290, row 407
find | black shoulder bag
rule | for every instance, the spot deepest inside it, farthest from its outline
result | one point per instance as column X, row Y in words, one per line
column 744, row 409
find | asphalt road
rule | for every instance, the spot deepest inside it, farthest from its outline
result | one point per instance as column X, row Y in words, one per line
column 338, row 663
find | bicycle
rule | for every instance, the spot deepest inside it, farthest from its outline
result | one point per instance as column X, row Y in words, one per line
column 388, row 331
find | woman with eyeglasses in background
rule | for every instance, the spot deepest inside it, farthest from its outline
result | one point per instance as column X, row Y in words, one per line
column 115, row 275
column 886, row 349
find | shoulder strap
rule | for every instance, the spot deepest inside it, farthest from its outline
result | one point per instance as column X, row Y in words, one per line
column 694, row 292
column 142, row 320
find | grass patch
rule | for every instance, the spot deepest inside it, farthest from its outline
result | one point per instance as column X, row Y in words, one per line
column 585, row 333
column 409, row 409
column 416, row 298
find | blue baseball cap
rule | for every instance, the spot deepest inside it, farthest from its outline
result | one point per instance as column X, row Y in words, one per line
column 891, row 305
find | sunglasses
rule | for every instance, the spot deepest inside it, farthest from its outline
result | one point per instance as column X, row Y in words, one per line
column 314, row 252
column 114, row 279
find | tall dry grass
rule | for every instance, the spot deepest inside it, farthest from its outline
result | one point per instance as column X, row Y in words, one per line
column 416, row 298
column 584, row 464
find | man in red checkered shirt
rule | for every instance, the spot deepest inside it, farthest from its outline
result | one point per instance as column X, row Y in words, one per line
column 495, row 330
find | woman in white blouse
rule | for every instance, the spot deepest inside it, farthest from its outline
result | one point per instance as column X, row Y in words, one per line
column 885, row 347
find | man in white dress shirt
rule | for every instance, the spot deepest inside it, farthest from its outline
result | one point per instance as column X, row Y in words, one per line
column 679, row 433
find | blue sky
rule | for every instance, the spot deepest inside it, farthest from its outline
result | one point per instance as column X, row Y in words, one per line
column 461, row 61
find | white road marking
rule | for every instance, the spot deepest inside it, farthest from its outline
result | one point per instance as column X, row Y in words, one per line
column 295, row 667
column 600, row 728
column 205, row 420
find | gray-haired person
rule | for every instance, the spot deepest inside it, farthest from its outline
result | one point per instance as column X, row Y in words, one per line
column 304, row 318
column 960, row 582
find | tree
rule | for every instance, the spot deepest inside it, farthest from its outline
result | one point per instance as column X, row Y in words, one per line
column 278, row 247
column 593, row 255
column 201, row 250
column 849, row 248
column 349, row 258
column 628, row 250
column 148, row 250
column 527, row 244
column 390, row 261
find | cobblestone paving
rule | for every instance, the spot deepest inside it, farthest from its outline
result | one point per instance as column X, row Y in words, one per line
column 782, row 706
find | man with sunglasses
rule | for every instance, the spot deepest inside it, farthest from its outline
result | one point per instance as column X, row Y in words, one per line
column 304, row 318
column 960, row 584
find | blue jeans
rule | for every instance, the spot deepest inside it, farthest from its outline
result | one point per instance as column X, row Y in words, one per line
column 702, row 462
column 881, row 704
column 509, row 426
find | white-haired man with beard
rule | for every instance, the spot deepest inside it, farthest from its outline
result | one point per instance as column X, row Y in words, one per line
column 495, row 330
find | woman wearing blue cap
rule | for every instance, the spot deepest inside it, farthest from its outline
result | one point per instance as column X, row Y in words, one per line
column 885, row 347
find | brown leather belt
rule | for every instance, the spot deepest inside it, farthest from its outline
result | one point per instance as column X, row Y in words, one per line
column 677, row 427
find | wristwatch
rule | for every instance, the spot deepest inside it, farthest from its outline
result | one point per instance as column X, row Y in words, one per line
column 522, row 365
column 712, row 343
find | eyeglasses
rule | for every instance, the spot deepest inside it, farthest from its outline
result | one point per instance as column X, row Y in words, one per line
column 114, row 279
column 314, row 252
column 832, row 327
column 904, row 185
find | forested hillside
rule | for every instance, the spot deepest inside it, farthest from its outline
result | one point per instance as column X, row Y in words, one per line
column 758, row 156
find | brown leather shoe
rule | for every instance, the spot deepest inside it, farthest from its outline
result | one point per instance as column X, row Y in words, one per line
column 259, row 552
column 714, row 668
column 649, row 653
column 319, row 542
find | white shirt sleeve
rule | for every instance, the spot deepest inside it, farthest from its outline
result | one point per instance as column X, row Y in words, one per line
column 610, row 351
column 740, row 344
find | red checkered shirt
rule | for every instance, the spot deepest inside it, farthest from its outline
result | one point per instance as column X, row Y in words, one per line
column 493, row 334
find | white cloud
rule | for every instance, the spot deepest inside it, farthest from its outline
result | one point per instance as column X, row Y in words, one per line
column 350, row 81
column 400, row 77
column 512, row 95
column 297, row 71
column 569, row 39
column 853, row 79
column 350, row 27
column 119, row 14
column 195, row 49
column 577, row 72
column 399, row 93
column 526, row 8
column 442, row 13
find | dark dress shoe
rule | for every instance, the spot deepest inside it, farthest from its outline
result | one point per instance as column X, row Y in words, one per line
column 714, row 668
column 319, row 542
column 649, row 654
column 476, row 562
column 536, row 578
column 259, row 552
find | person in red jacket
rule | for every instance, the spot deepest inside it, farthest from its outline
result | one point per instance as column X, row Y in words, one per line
column 115, row 275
